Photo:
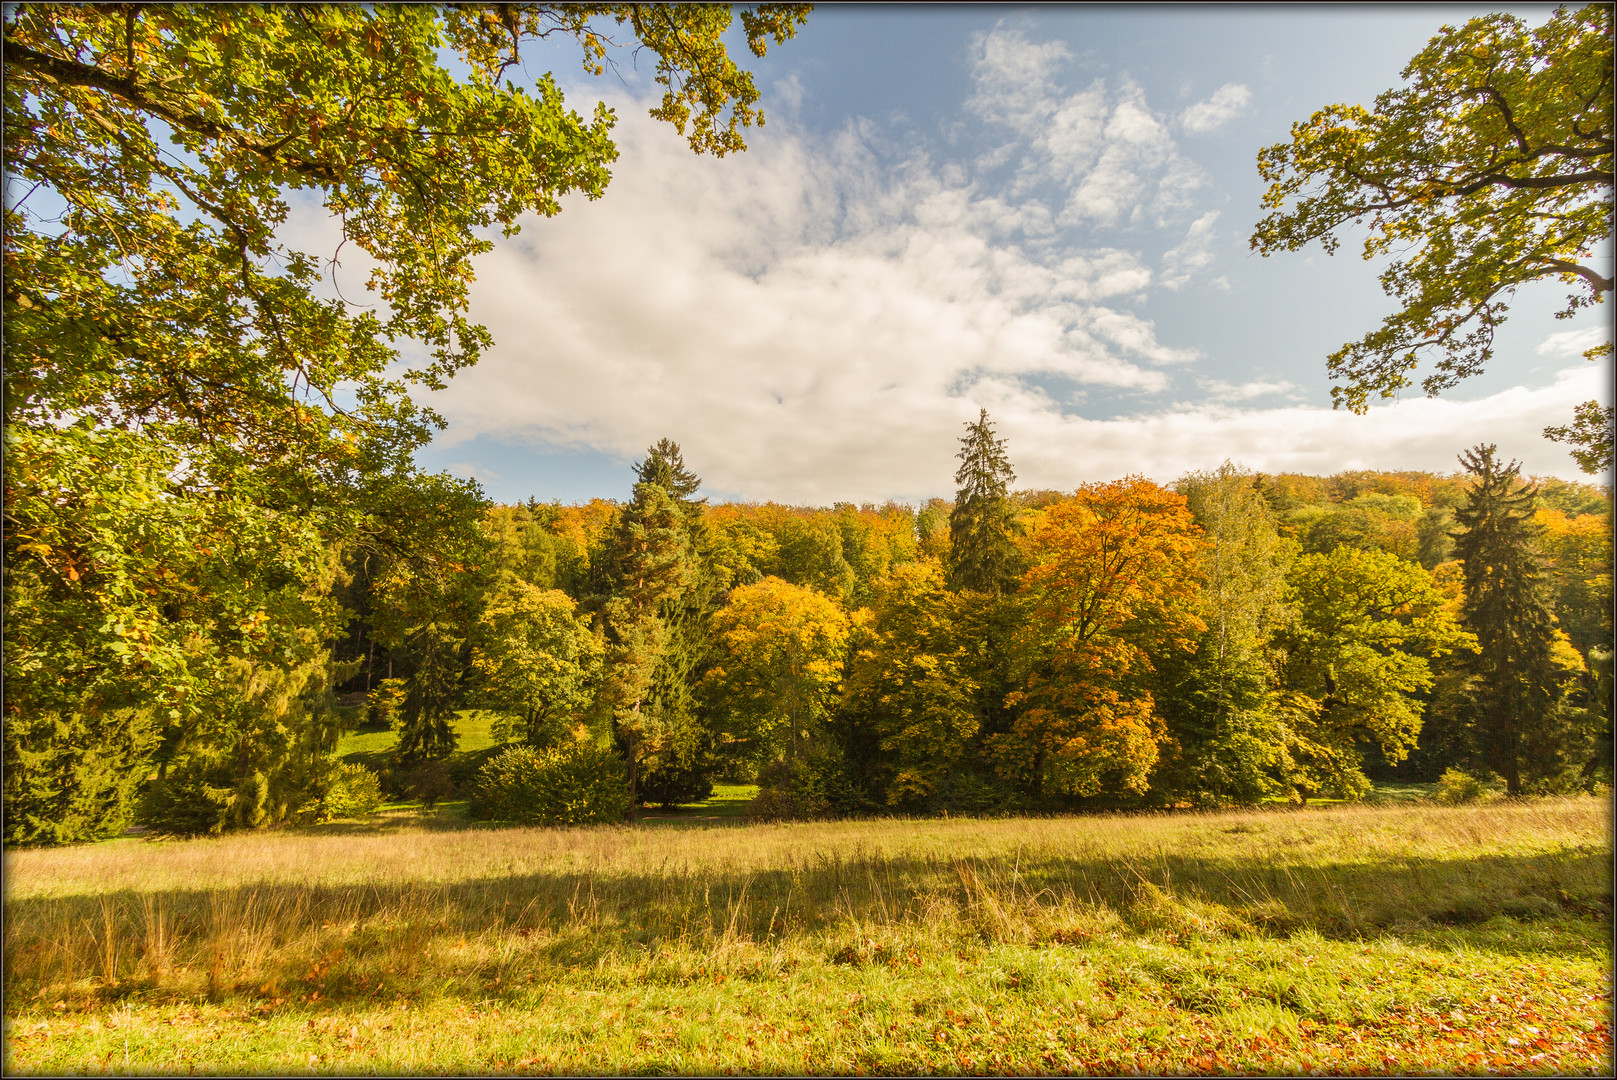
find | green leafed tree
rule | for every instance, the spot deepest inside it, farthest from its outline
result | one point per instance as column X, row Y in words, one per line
column 536, row 663
column 983, row 555
column 908, row 685
column 1221, row 703
column 1490, row 169
column 1367, row 626
column 169, row 356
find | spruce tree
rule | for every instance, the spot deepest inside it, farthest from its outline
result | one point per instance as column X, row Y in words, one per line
column 663, row 581
column 1516, row 684
column 664, row 466
column 982, row 554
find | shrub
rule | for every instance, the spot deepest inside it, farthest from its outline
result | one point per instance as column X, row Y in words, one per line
column 673, row 785
column 431, row 782
column 818, row 785
column 383, row 702
column 189, row 801
column 572, row 784
column 1455, row 788
column 355, row 792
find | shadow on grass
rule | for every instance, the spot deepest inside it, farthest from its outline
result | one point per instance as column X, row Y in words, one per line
column 386, row 937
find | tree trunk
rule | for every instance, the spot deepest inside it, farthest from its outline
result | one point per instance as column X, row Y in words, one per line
column 634, row 761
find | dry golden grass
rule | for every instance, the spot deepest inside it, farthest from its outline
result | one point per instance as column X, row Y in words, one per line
column 334, row 921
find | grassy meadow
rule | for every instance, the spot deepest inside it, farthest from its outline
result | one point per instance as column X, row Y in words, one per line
column 1394, row 938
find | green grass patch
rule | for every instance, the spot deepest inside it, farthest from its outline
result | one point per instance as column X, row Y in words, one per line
column 1383, row 939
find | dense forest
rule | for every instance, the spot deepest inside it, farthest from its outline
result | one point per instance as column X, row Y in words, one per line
column 1231, row 638
column 216, row 535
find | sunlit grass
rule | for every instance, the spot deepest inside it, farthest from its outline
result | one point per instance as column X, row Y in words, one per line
column 1382, row 938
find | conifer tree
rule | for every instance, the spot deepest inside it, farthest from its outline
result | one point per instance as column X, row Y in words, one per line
column 664, row 465
column 647, row 567
column 982, row 553
column 1515, row 672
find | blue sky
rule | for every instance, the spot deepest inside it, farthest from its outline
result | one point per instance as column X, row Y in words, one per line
column 1043, row 212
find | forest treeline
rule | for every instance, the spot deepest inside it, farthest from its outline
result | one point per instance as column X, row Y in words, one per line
column 1227, row 639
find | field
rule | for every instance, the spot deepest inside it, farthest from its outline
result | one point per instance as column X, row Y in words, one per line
column 1396, row 938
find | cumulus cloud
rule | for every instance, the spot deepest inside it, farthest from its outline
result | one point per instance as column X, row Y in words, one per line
column 812, row 327
column 1227, row 102
column 814, row 320
column 805, row 319
column 1221, row 391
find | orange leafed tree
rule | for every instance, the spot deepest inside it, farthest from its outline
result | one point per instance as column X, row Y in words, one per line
column 1111, row 581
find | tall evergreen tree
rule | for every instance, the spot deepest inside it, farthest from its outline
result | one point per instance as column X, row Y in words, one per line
column 647, row 567
column 1516, row 677
column 664, row 465
column 982, row 552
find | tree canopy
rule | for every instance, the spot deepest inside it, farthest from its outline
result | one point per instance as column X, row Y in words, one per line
column 1490, row 169
column 199, row 443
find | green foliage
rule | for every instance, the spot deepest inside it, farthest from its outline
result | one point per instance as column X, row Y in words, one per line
column 572, row 784
column 1370, row 522
column 982, row 526
column 355, row 792
column 648, row 570
column 382, row 703
column 431, row 782
column 811, row 555
column 1456, row 788
column 909, row 686
column 675, row 784
column 196, row 440
column 1518, row 685
column 1590, row 434
column 1358, row 656
column 1489, row 170
column 131, row 612
column 536, row 661
column 815, row 785
column 264, row 756
column 71, row 778
column 1226, row 734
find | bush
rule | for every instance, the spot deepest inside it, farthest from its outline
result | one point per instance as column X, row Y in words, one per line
column 189, row 801
column 1455, row 788
column 355, row 792
column 673, row 785
column 572, row 784
column 819, row 785
column 383, row 702
column 431, row 781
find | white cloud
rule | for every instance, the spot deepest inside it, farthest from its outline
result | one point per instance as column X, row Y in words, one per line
column 1105, row 148
column 1013, row 78
column 1423, row 433
column 1221, row 391
column 811, row 326
column 1573, row 342
column 804, row 320
column 1227, row 102
column 1193, row 254
column 473, row 470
